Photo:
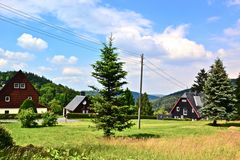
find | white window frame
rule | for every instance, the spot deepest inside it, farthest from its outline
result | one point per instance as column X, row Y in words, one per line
column 86, row 111
column 177, row 108
column 184, row 100
column 16, row 85
column 185, row 111
column 83, row 111
column 7, row 98
column 22, row 85
column 30, row 97
column 192, row 110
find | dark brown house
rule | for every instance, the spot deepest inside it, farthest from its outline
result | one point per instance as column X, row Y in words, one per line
column 15, row 91
column 79, row 104
column 187, row 106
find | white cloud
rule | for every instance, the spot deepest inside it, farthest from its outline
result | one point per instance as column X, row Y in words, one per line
column 27, row 41
column 19, row 56
column 233, row 2
column 233, row 31
column 61, row 59
column 71, row 71
column 19, row 66
column 43, row 69
column 213, row 19
column 3, row 62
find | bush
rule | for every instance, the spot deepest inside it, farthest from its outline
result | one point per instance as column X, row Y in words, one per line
column 80, row 115
column 28, row 118
column 8, row 116
column 49, row 119
column 55, row 106
column 6, row 140
column 28, row 104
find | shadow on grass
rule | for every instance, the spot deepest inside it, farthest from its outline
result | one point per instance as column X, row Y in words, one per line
column 144, row 136
column 225, row 125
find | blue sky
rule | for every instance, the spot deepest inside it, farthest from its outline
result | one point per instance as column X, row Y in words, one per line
column 177, row 38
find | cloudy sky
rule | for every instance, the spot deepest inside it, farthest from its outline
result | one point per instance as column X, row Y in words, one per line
column 60, row 39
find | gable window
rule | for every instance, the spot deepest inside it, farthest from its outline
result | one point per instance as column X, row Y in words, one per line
column 30, row 97
column 192, row 110
column 16, row 85
column 184, row 111
column 184, row 100
column 178, row 109
column 7, row 98
column 22, row 85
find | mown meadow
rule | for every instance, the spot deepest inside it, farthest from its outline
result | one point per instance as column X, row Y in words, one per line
column 155, row 140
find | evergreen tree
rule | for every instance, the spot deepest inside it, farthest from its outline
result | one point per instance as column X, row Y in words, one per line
column 219, row 95
column 237, row 93
column 146, row 108
column 200, row 81
column 128, row 98
column 111, row 114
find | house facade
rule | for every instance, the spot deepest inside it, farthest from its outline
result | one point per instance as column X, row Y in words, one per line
column 187, row 106
column 79, row 104
column 15, row 91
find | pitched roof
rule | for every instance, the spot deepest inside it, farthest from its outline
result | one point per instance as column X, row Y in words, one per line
column 71, row 106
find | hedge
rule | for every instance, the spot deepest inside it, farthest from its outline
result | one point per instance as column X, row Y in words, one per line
column 91, row 115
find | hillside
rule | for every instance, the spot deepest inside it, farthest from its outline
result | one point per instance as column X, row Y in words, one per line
column 48, row 90
column 168, row 101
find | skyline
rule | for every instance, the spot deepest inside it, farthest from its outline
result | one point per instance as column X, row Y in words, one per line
column 176, row 40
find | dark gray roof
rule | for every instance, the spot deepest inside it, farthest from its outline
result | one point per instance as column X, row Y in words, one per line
column 195, row 100
column 75, row 103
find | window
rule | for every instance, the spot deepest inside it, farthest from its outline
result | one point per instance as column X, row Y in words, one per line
column 16, row 85
column 178, row 109
column 184, row 100
column 83, row 111
column 22, row 85
column 7, row 98
column 86, row 111
column 30, row 97
column 6, row 111
column 84, row 103
column 184, row 111
column 192, row 110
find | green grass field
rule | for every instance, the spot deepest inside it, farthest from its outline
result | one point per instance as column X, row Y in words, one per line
column 156, row 140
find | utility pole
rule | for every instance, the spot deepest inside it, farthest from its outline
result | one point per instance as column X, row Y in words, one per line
column 140, row 94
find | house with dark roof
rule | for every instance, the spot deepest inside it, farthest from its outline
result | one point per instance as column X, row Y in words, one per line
column 15, row 91
column 187, row 106
column 79, row 104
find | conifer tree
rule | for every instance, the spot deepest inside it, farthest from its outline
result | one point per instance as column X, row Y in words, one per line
column 111, row 113
column 237, row 93
column 219, row 95
column 200, row 81
column 128, row 98
column 146, row 108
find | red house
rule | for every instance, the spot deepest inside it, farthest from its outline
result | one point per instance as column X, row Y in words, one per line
column 15, row 91
column 187, row 106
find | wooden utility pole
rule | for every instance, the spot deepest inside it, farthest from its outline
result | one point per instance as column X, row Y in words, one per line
column 140, row 94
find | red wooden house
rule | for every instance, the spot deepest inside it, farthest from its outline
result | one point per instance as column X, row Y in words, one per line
column 15, row 91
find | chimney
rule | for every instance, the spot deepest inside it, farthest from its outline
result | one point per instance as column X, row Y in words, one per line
column 82, row 93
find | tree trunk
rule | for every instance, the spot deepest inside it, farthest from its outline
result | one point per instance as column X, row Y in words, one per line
column 214, row 122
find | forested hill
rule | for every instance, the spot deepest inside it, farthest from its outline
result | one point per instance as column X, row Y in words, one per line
column 168, row 101
column 50, row 92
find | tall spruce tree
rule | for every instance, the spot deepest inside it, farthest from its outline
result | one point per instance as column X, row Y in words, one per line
column 146, row 108
column 200, row 81
column 111, row 113
column 219, row 95
column 128, row 98
column 237, row 93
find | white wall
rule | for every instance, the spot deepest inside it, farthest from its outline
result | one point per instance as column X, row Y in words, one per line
column 15, row 110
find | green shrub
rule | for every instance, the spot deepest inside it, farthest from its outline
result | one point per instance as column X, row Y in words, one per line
column 55, row 106
column 79, row 115
column 27, row 104
column 27, row 118
column 8, row 116
column 6, row 140
column 49, row 119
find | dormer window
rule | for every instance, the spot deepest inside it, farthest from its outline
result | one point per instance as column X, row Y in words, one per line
column 16, row 85
column 7, row 98
column 22, row 85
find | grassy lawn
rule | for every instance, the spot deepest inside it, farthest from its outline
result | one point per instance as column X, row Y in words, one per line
column 156, row 140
